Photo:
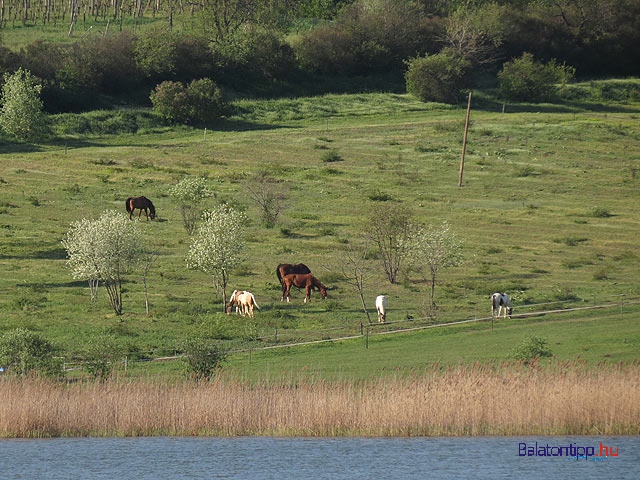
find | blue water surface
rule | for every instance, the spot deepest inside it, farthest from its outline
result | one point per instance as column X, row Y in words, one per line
column 314, row 458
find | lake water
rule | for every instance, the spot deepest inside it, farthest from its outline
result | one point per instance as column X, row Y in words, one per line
column 316, row 458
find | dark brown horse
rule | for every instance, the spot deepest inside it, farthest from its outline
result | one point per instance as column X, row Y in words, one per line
column 302, row 280
column 142, row 203
column 287, row 269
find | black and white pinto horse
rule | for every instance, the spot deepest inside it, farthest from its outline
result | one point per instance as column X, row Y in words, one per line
column 500, row 301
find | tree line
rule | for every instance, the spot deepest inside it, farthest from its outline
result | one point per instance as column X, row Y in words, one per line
column 272, row 47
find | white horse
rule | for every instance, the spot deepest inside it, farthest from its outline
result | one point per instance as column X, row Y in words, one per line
column 500, row 301
column 244, row 302
column 381, row 307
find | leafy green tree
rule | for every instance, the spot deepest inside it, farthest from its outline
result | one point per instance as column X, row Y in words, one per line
column 25, row 352
column 437, row 78
column 432, row 249
column 531, row 348
column 155, row 52
column 21, row 114
column 100, row 355
column 106, row 249
column 203, row 358
column 217, row 245
column 190, row 193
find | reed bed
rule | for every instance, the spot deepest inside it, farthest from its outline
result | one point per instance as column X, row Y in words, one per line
column 561, row 399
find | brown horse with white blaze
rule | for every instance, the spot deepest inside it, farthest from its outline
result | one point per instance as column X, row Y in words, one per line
column 141, row 203
column 302, row 280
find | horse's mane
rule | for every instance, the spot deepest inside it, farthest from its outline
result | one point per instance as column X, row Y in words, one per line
column 317, row 283
column 151, row 207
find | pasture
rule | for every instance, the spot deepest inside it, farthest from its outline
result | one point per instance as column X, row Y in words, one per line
column 548, row 212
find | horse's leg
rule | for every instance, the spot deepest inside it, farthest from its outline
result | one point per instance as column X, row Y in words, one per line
column 307, row 294
column 288, row 292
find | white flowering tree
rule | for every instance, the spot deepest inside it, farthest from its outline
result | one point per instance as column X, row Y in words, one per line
column 21, row 114
column 217, row 246
column 190, row 192
column 433, row 248
column 82, row 245
column 104, row 250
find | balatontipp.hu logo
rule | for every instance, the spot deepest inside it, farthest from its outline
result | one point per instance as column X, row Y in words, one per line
column 572, row 451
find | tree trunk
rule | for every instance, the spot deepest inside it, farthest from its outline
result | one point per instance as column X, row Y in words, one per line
column 433, row 289
column 364, row 307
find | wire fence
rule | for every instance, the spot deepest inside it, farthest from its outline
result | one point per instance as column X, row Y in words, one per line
column 367, row 330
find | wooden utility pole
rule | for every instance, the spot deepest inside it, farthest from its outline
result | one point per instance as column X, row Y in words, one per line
column 464, row 141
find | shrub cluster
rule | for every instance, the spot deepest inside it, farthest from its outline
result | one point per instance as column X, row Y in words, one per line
column 528, row 80
column 437, row 78
column 200, row 102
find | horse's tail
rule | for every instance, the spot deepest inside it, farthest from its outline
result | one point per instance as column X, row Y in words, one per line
column 279, row 274
column 128, row 204
column 254, row 302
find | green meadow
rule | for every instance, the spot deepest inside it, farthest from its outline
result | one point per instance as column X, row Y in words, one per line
column 548, row 212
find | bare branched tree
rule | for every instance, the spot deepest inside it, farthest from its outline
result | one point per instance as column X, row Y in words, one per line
column 269, row 194
column 475, row 33
column 147, row 261
column 357, row 269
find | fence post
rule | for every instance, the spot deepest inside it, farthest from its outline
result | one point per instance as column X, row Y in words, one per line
column 126, row 364
column 367, row 342
column 249, row 356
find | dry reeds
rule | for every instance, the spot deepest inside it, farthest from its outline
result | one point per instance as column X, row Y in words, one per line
column 565, row 399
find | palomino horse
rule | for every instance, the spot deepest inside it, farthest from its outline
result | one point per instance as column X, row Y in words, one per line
column 287, row 269
column 500, row 301
column 302, row 280
column 381, row 307
column 142, row 203
column 244, row 301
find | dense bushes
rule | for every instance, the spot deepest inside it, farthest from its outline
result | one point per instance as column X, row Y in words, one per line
column 369, row 36
column 101, row 122
column 437, row 78
column 527, row 80
column 200, row 102
column 24, row 352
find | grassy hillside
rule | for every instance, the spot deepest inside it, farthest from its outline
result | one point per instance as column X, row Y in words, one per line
column 548, row 213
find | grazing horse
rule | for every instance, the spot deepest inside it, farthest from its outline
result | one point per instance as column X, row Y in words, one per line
column 302, row 280
column 141, row 203
column 233, row 300
column 381, row 307
column 287, row 269
column 500, row 301
column 244, row 302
